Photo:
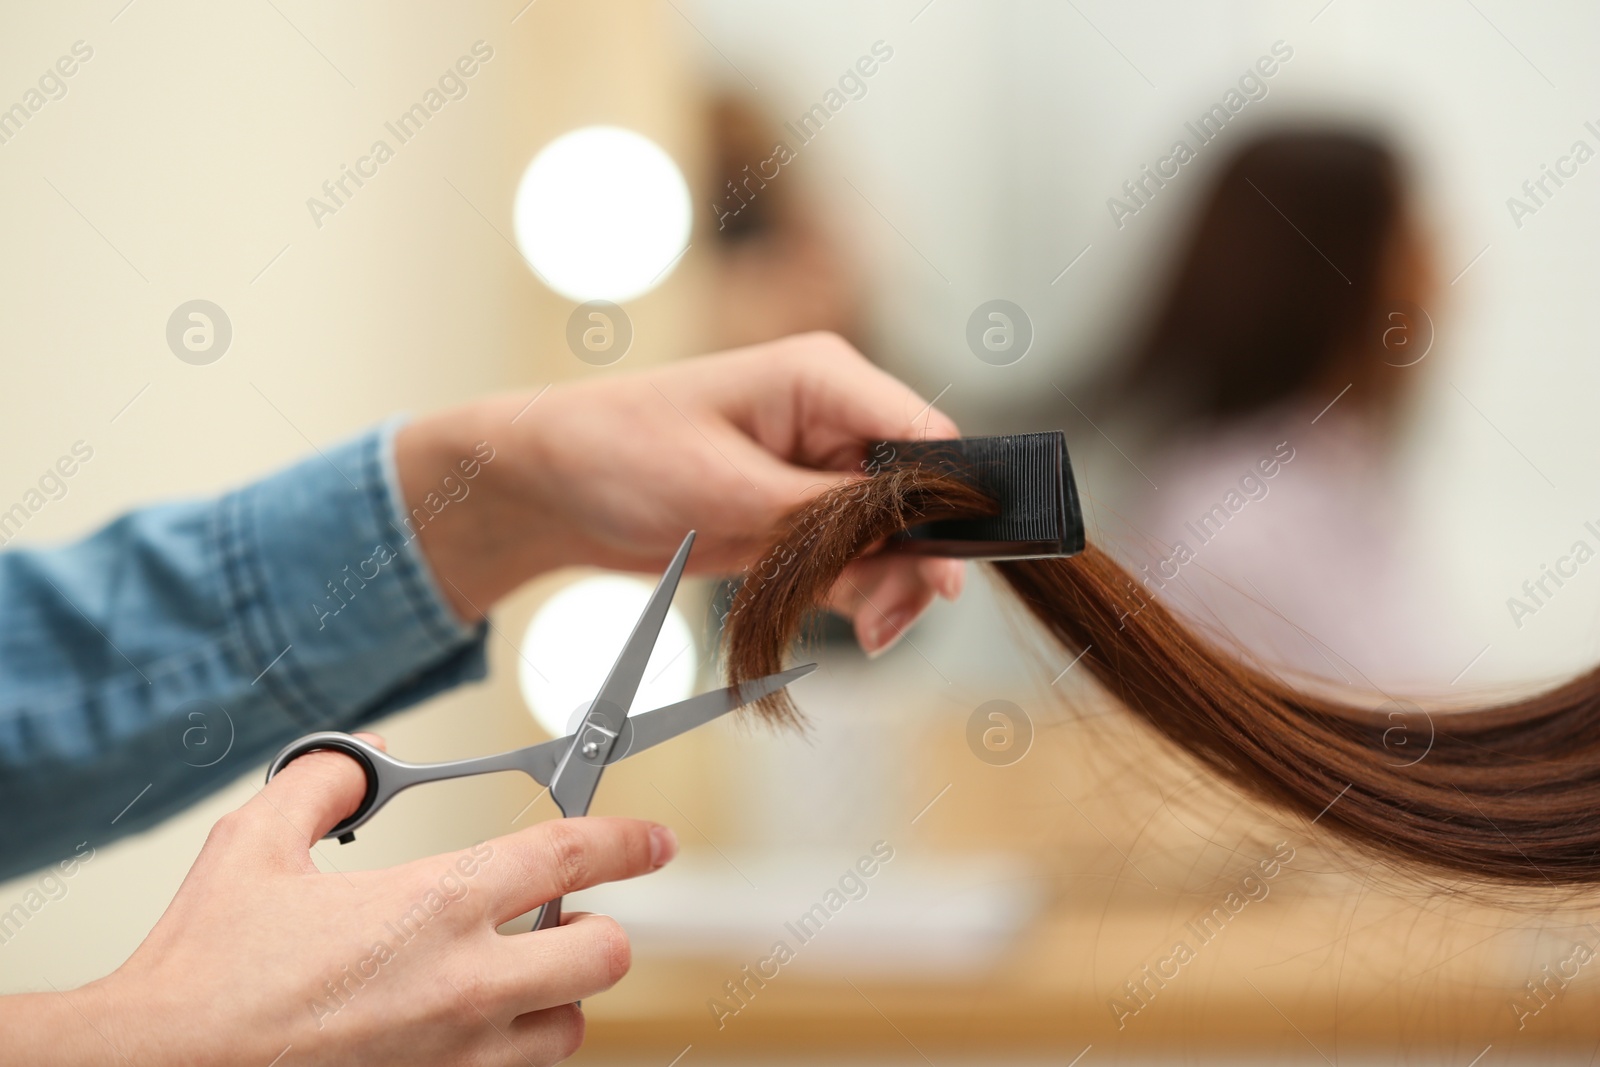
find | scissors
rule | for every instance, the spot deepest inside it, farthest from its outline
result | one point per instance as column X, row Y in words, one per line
column 569, row 766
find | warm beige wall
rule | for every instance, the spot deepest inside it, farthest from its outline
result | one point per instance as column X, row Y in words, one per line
column 191, row 141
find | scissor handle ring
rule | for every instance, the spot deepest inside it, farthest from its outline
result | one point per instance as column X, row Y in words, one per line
column 335, row 742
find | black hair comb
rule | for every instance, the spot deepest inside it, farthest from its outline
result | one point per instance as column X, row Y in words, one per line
column 1028, row 473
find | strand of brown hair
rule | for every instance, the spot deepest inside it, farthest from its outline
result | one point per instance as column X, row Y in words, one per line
column 1508, row 793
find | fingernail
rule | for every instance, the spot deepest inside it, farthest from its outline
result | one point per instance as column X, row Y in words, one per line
column 663, row 846
column 883, row 635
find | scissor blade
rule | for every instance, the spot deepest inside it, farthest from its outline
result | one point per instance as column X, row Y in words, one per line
column 663, row 724
column 576, row 776
column 626, row 674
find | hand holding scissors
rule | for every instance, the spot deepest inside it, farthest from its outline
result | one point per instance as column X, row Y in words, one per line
column 570, row 766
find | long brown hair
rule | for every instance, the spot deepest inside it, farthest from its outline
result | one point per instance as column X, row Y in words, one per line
column 1508, row 793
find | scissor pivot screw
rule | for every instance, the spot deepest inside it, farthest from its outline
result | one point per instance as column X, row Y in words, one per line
column 591, row 749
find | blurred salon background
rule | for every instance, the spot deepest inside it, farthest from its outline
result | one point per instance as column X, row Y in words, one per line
column 1307, row 285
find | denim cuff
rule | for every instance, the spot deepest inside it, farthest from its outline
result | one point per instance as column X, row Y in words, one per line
column 339, row 610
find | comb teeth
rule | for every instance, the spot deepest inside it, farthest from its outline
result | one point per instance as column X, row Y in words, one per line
column 1028, row 473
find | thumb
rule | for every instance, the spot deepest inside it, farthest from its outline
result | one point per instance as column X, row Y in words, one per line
column 311, row 796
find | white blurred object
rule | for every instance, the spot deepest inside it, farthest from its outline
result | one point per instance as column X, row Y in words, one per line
column 919, row 916
column 575, row 637
column 602, row 213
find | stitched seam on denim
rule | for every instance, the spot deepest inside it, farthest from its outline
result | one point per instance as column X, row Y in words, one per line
column 50, row 701
column 45, row 703
column 242, row 599
column 254, row 611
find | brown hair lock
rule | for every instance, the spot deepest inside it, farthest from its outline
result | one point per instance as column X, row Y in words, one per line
column 1508, row 793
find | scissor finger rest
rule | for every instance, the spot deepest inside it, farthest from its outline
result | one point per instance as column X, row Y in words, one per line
column 387, row 776
column 363, row 753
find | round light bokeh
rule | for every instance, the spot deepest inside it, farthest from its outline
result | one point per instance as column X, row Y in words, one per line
column 576, row 636
column 602, row 213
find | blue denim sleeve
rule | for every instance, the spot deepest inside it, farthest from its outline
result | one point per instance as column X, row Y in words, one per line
column 182, row 645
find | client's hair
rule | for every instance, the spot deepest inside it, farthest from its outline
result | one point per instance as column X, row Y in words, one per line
column 1509, row 793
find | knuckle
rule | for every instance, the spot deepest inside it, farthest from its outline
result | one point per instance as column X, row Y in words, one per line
column 830, row 342
column 805, row 349
column 228, row 831
column 568, row 855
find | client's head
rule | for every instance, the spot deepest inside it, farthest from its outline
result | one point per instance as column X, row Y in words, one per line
column 1301, row 249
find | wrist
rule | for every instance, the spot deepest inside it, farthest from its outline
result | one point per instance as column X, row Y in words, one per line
column 64, row 1028
column 469, row 498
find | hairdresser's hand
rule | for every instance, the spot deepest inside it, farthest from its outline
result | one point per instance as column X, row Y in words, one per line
column 613, row 471
column 260, row 952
